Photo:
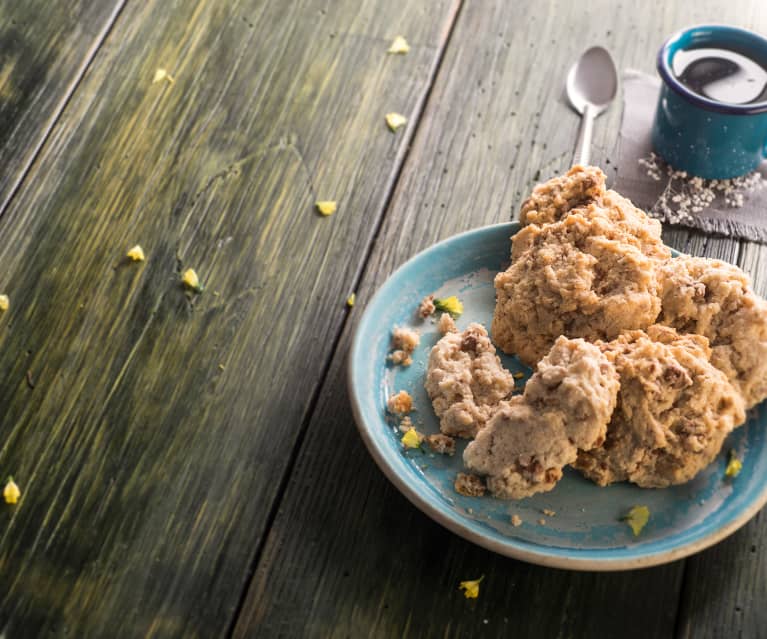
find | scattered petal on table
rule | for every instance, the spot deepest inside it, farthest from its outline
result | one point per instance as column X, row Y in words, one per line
column 734, row 465
column 191, row 280
column 637, row 518
column 351, row 300
column 471, row 588
column 4, row 303
column 399, row 45
column 136, row 254
column 162, row 74
column 11, row 492
column 412, row 439
column 450, row 305
column 395, row 120
column 326, row 207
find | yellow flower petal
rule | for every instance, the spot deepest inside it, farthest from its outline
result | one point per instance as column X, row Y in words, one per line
column 734, row 465
column 411, row 439
column 351, row 299
column 326, row 207
column 450, row 305
column 395, row 120
column 11, row 492
column 471, row 588
column 4, row 302
column 136, row 254
column 191, row 280
column 637, row 518
column 162, row 74
column 399, row 45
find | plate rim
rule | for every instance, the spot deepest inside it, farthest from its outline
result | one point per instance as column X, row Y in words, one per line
column 507, row 548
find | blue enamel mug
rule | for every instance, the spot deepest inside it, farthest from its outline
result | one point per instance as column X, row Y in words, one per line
column 702, row 136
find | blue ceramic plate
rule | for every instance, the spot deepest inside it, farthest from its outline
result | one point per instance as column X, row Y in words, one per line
column 586, row 532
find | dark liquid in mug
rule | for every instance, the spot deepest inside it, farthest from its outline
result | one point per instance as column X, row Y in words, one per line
column 722, row 75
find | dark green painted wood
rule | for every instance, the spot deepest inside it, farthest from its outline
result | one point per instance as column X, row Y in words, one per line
column 347, row 555
column 154, row 443
column 45, row 48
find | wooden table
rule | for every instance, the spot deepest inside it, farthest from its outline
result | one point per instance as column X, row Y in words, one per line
column 189, row 463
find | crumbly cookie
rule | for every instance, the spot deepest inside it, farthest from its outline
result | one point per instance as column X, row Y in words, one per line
column 442, row 444
column 469, row 485
column 565, row 407
column 400, row 403
column 405, row 339
column 582, row 190
column 629, row 224
column 579, row 277
column 674, row 411
column 552, row 200
column 715, row 299
column 426, row 307
column 465, row 381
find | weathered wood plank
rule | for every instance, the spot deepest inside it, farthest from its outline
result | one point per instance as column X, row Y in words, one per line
column 348, row 556
column 153, row 444
column 45, row 48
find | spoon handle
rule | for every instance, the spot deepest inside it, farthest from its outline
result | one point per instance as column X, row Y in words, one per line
column 583, row 146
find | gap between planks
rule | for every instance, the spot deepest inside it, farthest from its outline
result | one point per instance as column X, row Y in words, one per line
column 58, row 110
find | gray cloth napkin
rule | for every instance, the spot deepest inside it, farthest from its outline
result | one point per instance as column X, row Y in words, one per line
column 747, row 221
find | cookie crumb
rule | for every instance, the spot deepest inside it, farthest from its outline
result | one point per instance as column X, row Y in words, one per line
column 548, row 512
column 405, row 339
column 400, row 404
column 446, row 324
column 517, row 375
column 405, row 424
column 516, row 521
column 400, row 357
column 542, row 521
column 469, row 485
column 442, row 444
column 426, row 307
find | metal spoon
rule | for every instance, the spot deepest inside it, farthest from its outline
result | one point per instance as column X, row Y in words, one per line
column 592, row 83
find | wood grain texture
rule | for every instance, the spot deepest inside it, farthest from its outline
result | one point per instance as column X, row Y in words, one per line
column 45, row 48
column 155, row 439
column 348, row 556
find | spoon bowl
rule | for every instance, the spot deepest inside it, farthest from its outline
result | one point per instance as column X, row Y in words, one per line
column 592, row 84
